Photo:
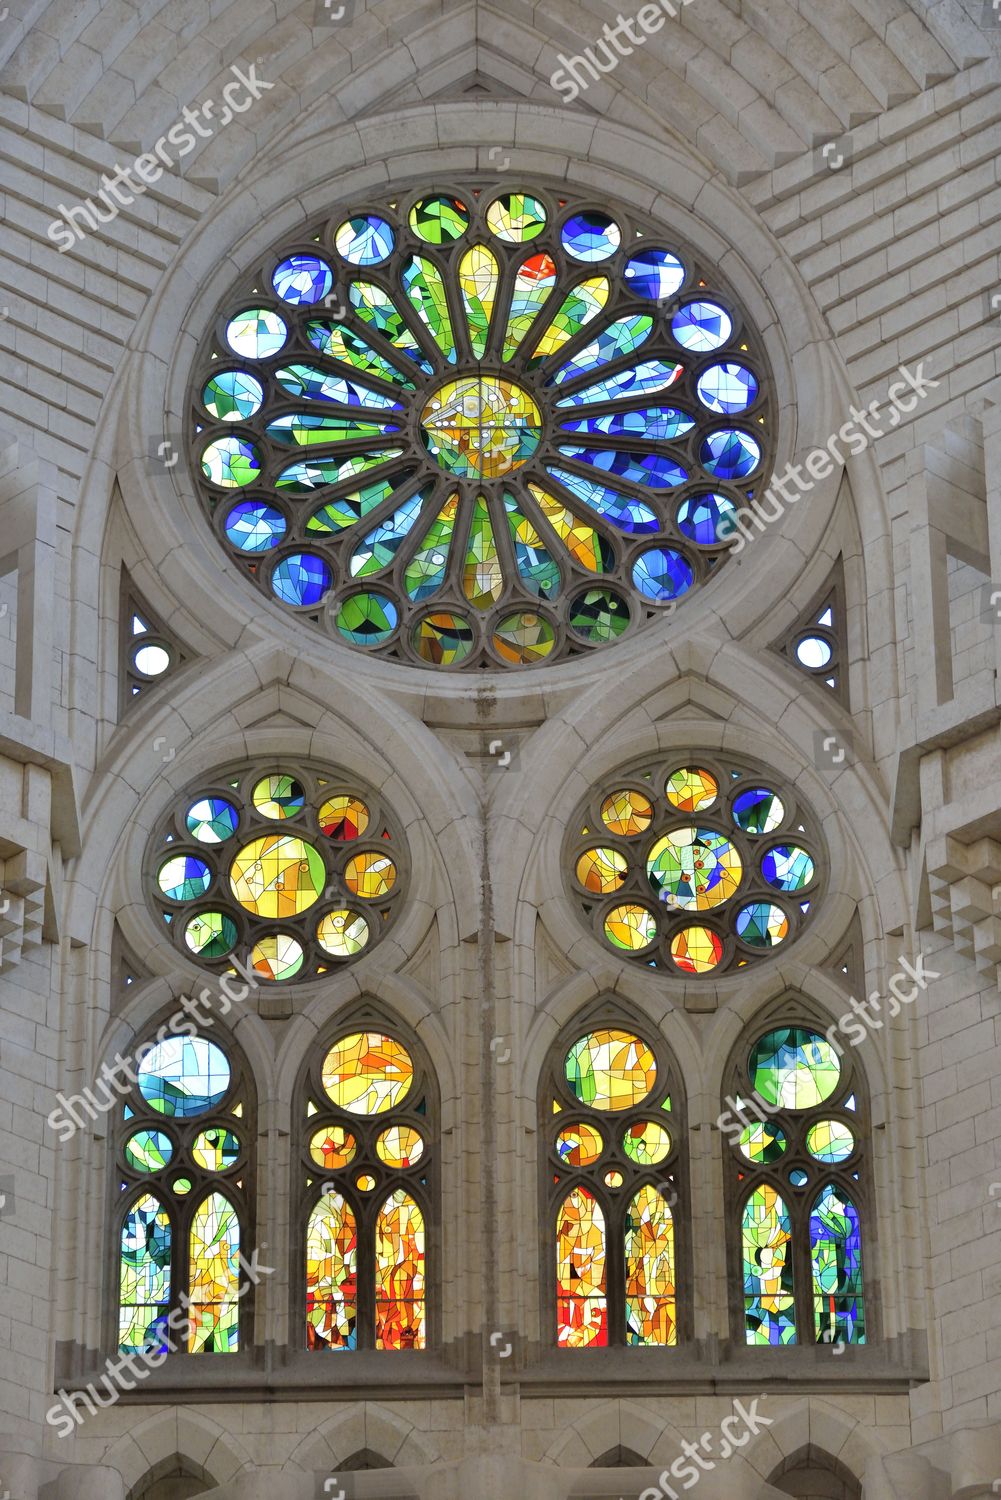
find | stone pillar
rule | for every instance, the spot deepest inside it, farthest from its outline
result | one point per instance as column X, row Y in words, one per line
column 90, row 1482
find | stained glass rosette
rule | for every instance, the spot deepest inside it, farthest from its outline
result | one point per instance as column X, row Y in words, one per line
column 480, row 427
column 698, row 865
column 285, row 870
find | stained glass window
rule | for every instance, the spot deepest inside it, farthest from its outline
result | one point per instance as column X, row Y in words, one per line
column 794, row 1129
column 480, row 428
column 697, row 864
column 368, row 1162
column 612, row 1122
column 289, row 871
column 183, row 1154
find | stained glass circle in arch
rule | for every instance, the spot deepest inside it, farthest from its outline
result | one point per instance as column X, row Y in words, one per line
column 699, row 864
column 289, row 870
column 480, row 425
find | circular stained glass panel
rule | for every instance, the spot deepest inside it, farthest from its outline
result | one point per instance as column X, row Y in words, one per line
column 647, row 1142
column 332, row 1147
column 830, row 1141
column 182, row 1077
column 694, row 869
column 664, row 845
column 795, row 1068
column 579, row 1145
column 436, row 427
column 610, row 1070
column 400, row 1146
column 367, row 1073
column 262, row 866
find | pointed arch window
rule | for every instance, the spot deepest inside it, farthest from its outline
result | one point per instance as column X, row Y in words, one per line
column 795, row 1131
column 614, row 1177
column 184, row 1162
column 369, row 1142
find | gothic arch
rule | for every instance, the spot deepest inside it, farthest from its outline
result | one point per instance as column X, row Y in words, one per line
column 170, row 1437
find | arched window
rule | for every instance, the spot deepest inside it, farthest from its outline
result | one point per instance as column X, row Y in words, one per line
column 813, row 1474
column 473, row 428
column 795, row 1130
column 369, row 1136
column 612, row 1125
column 183, row 1148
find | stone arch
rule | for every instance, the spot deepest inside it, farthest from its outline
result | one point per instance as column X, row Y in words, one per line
column 172, row 1479
column 813, row 1474
column 365, row 1427
column 813, row 1426
column 175, row 1438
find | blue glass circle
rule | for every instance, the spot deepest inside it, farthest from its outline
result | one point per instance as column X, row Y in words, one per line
column 301, row 579
column 655, row 274
column 591, row 237
column 184, row 1076
column 727, row 388
column 662, row 574
column 707, row 519
column 255, row 527
column 303, row 279
column 730, row 454
column 788, row 868
column 212, row 820
column 365, row 240
column 701, row 327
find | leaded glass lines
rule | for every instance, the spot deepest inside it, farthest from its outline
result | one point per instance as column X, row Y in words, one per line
column 430, row 351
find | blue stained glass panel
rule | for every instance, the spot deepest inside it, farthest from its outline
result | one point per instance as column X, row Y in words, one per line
column 256, row 333
column 255, row 527
column 316, row 385
column 302, row 279
column 655, row 274
column 727, row 388
column 655, row 424
column 707, row 519
column 836, row 1254
column 701, row 327
column 301, row 579
column 591, row 237
column 662, row 574
column 638, row 468
column 644, row 379
column 378, row 549
column 365, row 240
column 730, row 454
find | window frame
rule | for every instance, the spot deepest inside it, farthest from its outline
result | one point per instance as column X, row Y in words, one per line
column 182, row 1210
column 614, row 1203
column 799, row 1012
column 366, row 1206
